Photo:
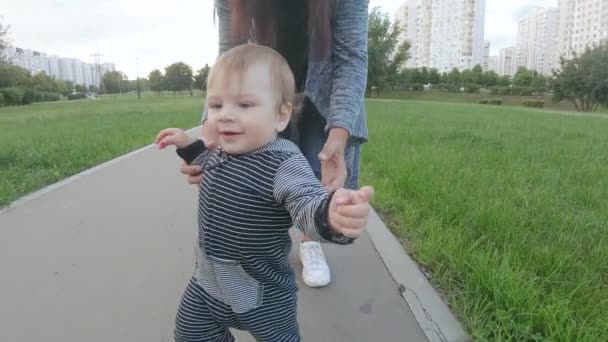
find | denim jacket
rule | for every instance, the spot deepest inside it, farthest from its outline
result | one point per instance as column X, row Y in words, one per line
column 336, row 84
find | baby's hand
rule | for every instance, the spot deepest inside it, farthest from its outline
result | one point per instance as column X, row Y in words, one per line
column 173, row 136
column 348, row 211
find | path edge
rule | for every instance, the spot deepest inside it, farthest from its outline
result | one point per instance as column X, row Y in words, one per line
column 432, row 314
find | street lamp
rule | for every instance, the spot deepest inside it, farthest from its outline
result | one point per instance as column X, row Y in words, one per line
column 137, row 78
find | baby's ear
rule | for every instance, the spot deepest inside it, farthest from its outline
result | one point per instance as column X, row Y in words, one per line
column 284, row 116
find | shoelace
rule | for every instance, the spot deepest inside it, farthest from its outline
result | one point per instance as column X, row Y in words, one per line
column 313, row 255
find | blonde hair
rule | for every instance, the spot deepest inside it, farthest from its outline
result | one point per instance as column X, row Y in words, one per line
column 237, row 60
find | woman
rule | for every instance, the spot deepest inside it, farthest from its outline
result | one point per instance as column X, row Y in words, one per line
column 325, row 44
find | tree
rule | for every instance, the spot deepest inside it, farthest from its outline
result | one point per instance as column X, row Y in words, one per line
column 415, row 76
column 14, row 76
column 93, row 89
column 434, row 76
column 477, row 75
column 454, row 77
column 80, row 88
column 43, row 82
column 3, row 41
column 490, row 79
column 386, row 56
column 200, row 80
column 523, row 77
column 178, row 77
column 504, row 81
column 583, row 80
column 156, row 81
column 111, row 82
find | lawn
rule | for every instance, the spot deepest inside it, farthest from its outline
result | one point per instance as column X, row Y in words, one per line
column 509, row 100
column 507, row 208
column 46, row 142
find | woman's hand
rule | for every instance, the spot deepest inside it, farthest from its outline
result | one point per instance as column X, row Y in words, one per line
column 193, row 172
column 333, row 166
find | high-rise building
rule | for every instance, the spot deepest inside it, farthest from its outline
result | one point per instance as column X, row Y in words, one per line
column 444, row 34
column 537, row 39
column 54, row 68
column 67, row 69
column 485, row 61
column 507, row 61
column 582, row 24
column 405, row 19
column 493, row 64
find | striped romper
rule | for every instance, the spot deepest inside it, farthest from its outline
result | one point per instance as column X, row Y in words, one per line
column 247, row 204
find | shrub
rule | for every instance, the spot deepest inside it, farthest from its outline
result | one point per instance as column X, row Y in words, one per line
column 29, row 96
column 76, row 96
column 507, row 91
column 50, row 97
column 12, row 96
column 451, row 88
column 483, row 101
column 416, row 87
column 1, row 100
column 496, row 102
column 534, row 104
column 472, row 88
column 38, row 96
column 527, row 91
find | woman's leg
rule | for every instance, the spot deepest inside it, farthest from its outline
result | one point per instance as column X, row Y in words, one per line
column 310, row 138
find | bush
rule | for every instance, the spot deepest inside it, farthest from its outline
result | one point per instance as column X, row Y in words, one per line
column 483, row 101
column 496, row 102
column 38, row 96
column 416, row 87
column 1, row 100
column 472, row 88
column 51, row 97
column 76, row 96
column 534, row 104
column 450, row 88
column 12, row 96
column 29, row 96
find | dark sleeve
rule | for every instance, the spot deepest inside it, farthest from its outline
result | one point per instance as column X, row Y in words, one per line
column 350, row 67
column 297, row 188
column 195, row 153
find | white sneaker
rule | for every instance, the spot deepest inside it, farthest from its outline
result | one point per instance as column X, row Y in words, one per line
column 315, row 271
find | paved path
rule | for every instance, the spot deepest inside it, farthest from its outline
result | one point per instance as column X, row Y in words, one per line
column 105, row 258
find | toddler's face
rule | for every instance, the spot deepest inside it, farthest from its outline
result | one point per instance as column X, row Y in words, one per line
column 244, row 109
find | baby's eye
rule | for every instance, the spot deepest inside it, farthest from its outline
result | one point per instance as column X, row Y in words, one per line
column 215, row 106
column 245, row 105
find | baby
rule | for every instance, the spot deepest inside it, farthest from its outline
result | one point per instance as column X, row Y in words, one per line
column 255, row 187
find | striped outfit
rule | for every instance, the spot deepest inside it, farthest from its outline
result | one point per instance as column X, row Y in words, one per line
column 243, row 279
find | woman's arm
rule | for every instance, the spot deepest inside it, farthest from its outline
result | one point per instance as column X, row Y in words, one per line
column 350, row 65
column 222, row 10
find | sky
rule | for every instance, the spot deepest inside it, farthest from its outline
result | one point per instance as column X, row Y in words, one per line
column 139, row 36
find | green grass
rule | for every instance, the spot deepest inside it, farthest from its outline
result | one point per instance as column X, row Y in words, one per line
column 509, row 100
column 43, row 143
column 507, row 208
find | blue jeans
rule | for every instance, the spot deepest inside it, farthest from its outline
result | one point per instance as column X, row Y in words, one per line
column 310, row 138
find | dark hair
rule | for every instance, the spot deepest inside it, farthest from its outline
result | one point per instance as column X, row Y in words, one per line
column 259, row 18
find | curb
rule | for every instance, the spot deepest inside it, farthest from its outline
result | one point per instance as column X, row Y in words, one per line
column 432, row 314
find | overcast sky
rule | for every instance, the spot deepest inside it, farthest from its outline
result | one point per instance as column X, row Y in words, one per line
column 141, row 35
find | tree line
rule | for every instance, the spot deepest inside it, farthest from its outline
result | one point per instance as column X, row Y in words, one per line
column 582, row 80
